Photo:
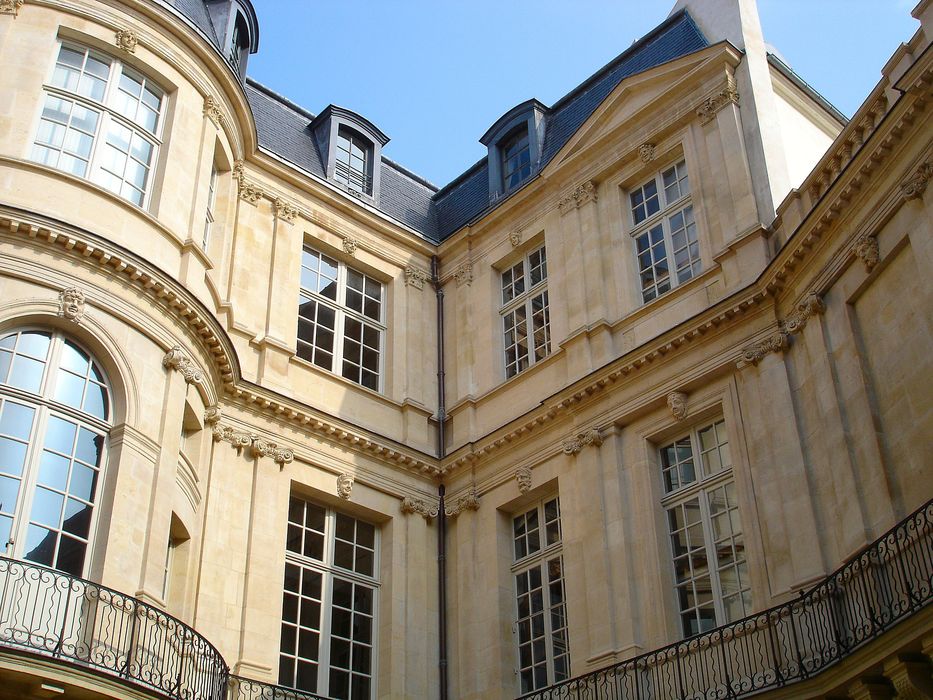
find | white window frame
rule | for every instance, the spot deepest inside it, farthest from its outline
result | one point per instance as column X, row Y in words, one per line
column 519, row 294
column 354, row 179
column 108, row 114
column 45, row 406
column 695, row 478
column 342, row 313
column 328, row 570
column 523, row 565
column 659, row 228
column 209, row 212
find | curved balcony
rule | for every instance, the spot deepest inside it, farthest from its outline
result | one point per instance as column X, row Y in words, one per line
column 53, row 614
column 887, row 582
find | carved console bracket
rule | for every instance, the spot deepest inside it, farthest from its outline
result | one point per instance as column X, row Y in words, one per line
column 917, row 184
column 177, row 360
column 415, row 277
column 71, row 304
column 711, row 105
column 469, row 501
column 420, row 506
column 578, row 197
column 213, row 112
column 464, row 274
column 10, row 7
column 344, row 486
column 127, row 40
column 258, row 446
column 248, row 190
column 810, row 306
column 677, row 402
column 753, row 354
column 523, row 477
column 574, row 445
column 284, row 211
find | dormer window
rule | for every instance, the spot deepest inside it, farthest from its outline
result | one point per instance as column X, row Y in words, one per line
column 237, row 29
column 351, row 148
column 353, row 166
column 238, row 42
column 514, row 144
column 516, row 158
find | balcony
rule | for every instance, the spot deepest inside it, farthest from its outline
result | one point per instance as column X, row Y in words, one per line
column 50, row 619
column 888, row 582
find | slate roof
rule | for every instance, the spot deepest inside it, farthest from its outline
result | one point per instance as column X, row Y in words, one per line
column 283, row 129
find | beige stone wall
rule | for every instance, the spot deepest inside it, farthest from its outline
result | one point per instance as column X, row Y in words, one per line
column 808, row 336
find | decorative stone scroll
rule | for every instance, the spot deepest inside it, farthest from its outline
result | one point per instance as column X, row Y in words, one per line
column 350, row 245
column 248, row 190
column 71, row 304
column 265, row 448
column 419, row 506
column 284, row 211
column 127, row 40
column 574, row 445
column 415, row 277
column 729, row 94
column 10, row 7
column 464, row 274
column 239, row 439
column 581, row 195
column 177, row 360
column 677, row 402
column 344, row 486
column 868, row 251
column 810, row 306
column 523, row 477
column 776, row 342
column 469, row 501
column 646, row 152
column 917, row 184
column 515, row 238
column 212, row 111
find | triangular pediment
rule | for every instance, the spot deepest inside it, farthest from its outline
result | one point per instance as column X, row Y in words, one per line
column 641, row 97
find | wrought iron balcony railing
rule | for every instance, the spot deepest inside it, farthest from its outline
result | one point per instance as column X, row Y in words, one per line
column 53, row 614
column 887, row 581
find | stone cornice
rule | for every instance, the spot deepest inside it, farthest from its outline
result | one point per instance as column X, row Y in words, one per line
column 178, row 303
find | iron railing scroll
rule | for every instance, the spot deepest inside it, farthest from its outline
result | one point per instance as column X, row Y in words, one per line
column 53, row 614
column 887, row 581
column 246, row 689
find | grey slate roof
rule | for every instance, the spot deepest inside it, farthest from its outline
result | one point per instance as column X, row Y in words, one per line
column 283, row 129
column 468, row 196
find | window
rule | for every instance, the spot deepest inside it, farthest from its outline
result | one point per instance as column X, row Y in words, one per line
column 54, row 419
column 100, row 121
column 354, row 161
column 340, row 319
column 524, row 304
column 329, row 603
column 515, row 151
column 541, row 619
column 238, row 41
column 211, row 203
column 664, row 227
column 707, row 546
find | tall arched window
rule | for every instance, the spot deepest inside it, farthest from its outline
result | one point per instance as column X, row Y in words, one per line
column 55, row 412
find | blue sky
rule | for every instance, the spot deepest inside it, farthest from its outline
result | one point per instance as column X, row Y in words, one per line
column 434, row 75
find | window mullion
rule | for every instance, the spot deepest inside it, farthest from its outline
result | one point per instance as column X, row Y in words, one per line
column 711, row 557
column 323, row 656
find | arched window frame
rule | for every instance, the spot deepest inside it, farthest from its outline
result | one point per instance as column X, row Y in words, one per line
column 40, row 480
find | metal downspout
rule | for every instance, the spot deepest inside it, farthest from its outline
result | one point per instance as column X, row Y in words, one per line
column 441, row 514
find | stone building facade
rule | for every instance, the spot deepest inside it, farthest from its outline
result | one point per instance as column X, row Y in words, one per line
column 276, row 412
